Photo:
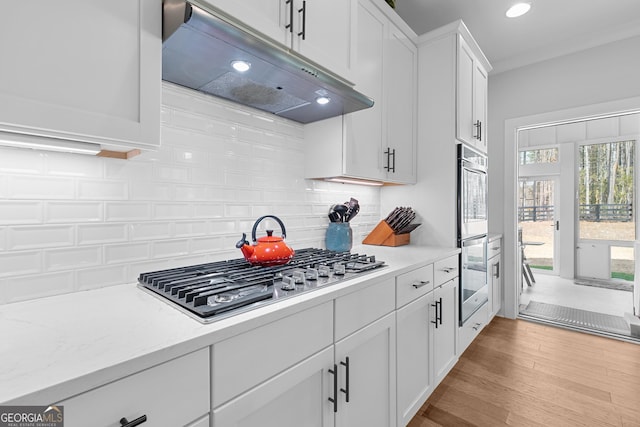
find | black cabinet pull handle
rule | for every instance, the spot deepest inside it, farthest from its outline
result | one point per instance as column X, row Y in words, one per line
column 303, row 33
column 480, row 123
column 420, row 283
column 334, row 399
column 125, row 423
column 435, row 322
column 498, row 270
column 290, row 24
column 440, row 315
column 393, row 154
column 346, row 389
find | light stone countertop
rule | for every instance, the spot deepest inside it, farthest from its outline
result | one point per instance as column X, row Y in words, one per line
column 57, row 347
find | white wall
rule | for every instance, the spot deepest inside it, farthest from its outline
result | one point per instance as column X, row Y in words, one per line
column 598, row 76
column 71, row 222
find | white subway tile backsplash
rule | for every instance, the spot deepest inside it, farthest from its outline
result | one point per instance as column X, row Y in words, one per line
column 169, row 248
column 208, row 210
column 207, row 244
column 20, row 263
column 99, row 277
column 102, row 190
column 237, row 211
column 21, row 212
column 74, row 166
column 191, row 228
column 150, row 190
column 23, row 288
column 127, row 211
column 16, row 160
column 100, row 222
column 91, row 234
column 34, row 237
column 172, row 211
column 126, row 253
column 65, row 259
column 150, row 230
column 73, row 212
column 40, row 187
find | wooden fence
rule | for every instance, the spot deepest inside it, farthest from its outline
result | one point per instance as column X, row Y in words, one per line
column 595, row 213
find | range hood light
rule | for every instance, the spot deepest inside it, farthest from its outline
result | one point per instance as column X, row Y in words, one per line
column 322, row 100
column 518, row 9
column 241, row 66
column 355, row 181
column 48, row 144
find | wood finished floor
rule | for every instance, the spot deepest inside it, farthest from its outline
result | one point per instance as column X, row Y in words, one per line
column 519, row 373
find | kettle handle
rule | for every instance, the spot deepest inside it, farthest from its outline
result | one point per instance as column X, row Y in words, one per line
column 255, row 226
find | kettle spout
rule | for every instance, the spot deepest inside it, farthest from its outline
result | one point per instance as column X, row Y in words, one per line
column 244, row 246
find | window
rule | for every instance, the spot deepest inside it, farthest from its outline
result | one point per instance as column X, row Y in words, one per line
column 544, row 155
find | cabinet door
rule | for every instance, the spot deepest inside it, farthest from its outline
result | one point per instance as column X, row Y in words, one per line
column 413, row 357
column 371, row 383
column 323, row 33
column 464, row 99
column 296, row 397
column 401, row 107
column 445, row 299
column 480, row 106
column 364, row 129
column 270, row 17
column 82, row 70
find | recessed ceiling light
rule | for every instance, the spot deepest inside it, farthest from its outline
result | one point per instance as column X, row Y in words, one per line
column 518, row 9
column 241, row 66
column 322, row 100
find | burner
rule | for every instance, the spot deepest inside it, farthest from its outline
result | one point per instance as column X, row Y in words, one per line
column 215, row 290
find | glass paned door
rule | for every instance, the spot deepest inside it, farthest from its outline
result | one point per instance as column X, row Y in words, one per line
column 606, row 217
column 539, row 221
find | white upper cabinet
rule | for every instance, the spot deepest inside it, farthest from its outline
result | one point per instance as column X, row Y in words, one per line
column 401, row 74
column 378, row 143
column 318, row 29
column 82, row 70
column 471, row 119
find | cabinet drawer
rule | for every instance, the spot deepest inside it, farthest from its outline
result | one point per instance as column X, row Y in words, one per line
column 171, row 394
column 413, row 284
column 472, row 327
column 445, row 270
column 356, row 310
column 493, row 248
column 246, row 360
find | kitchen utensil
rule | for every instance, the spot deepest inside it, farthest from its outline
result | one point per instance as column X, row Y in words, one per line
column 267, row 250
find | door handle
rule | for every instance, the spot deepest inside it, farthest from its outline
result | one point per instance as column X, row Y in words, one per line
column 290, row 24
column 346, row 382
column 334, row 399
column 303, row 33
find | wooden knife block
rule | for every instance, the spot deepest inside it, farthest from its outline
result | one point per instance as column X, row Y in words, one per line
column 383, row 235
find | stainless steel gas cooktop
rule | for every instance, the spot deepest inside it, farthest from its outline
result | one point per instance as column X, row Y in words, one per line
column 209, row 292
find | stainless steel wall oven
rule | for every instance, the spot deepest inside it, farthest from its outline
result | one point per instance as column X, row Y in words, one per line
column 472, row 230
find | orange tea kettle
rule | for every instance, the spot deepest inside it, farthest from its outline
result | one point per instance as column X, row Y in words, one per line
column 267, row 250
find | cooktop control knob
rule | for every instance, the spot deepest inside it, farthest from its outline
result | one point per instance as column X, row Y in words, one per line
column 299, row 277
column 324, row 271
column 288, row 284
column 311, row 274
column 338, row 269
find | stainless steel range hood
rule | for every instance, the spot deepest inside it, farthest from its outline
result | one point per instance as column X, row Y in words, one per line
column 199, row 48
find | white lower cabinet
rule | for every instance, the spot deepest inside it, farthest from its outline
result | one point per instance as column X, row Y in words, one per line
column 172, row 394
column 414, row 348
column 426, row 342
column 366, row 364
column 296, row 397
column 444, row 328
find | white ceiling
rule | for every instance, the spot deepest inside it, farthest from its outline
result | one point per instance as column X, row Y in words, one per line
column 551, row 28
